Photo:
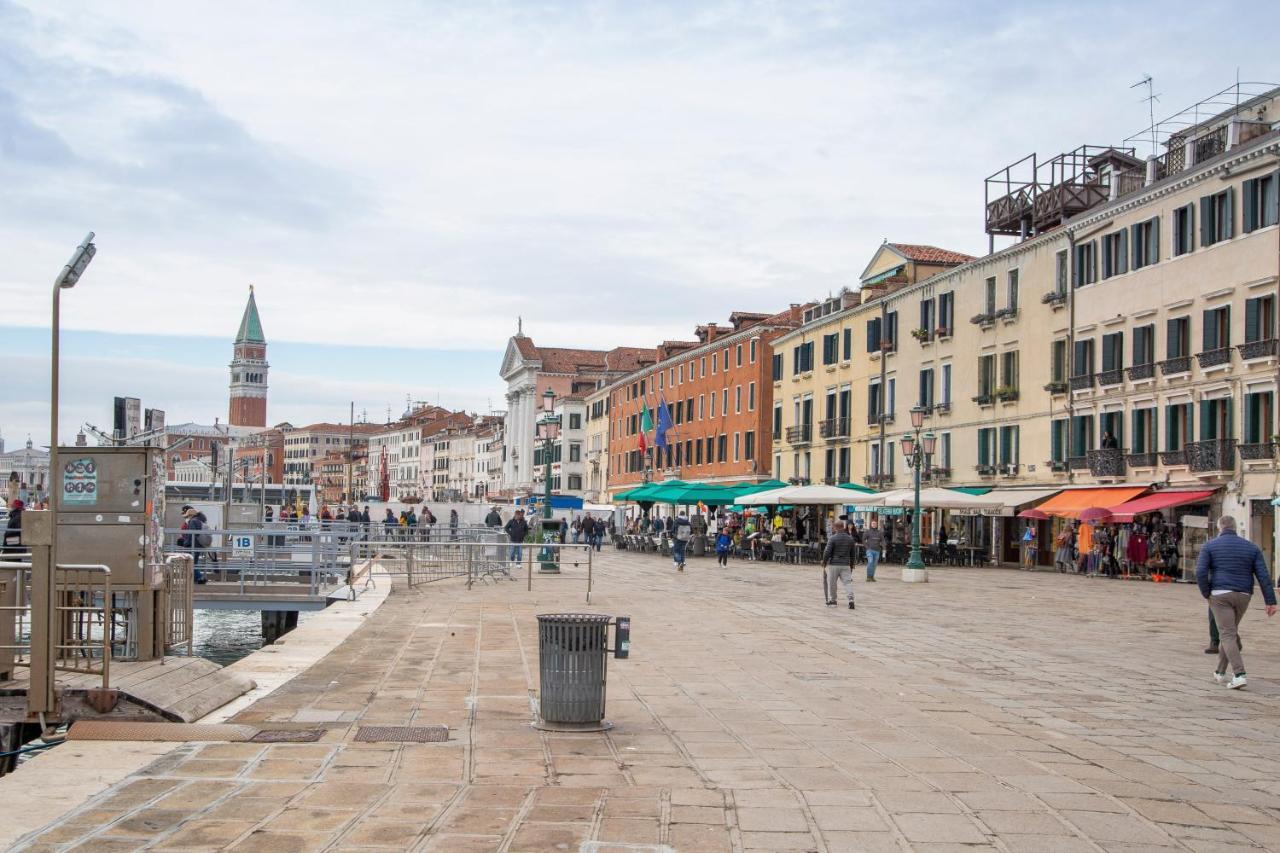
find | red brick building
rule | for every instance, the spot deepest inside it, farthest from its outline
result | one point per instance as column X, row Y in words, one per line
column 249, row 371
column 719, row 391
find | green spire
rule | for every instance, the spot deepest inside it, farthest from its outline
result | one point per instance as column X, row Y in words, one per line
column 250, row 326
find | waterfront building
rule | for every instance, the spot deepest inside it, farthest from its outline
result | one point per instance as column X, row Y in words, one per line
column 24, row 473
column 248, row 406
column 489, row 452
column 305, row 446
column 568, row 464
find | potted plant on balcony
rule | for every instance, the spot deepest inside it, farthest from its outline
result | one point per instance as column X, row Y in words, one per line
column 983, row 399
column 981, row 319
column 1006, row 393
column 942, row 332
column 921, row 334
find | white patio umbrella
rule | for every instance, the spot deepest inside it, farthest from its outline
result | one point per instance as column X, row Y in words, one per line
column 804, row 496
column 935, row 498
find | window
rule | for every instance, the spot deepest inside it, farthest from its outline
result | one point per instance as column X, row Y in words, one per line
column 1184, row 219
column 925, row 398
column 1177, row 426
column 697, row 451
column 721, row 448
column 873, row 334
column 575, row 421
column 946, row 385
column 777, row 367
column 715, row 362
column 1086, row 271
column 831, row 348
column 1082, row 361
column 1115, row 254
column 1217, row 217
column 927, row 320
column 1215, row 419
column 1144, row 344
column 1260, row 319
column 724, row 402
column 711, row 447
column 944, row 450
column 1058, row 361
column 802, row 358
column 989, row 305
column 1259, row 416
column 661, row 377
column 1011, row 292
column 1144, row 431
column 642, row 391
column 1009, row 370
column 1261, row 202
column 1217, row 328
column 986, row 375
column 1113, row 422
column 681, row 373
column 737, row 447
column 1060, row 272
column 777, row 420
column 678, row 410
column 714, row 396
column 1081, row 434
column 874, row 402
column 848, row 344
column 737, row 399
column 749, row 444
column 890, row 402
column 1178, row 337
column 1113, row 351
column 738, row 356
column 751, row 397
column 1058, row 441
column 986, row 446
column 702, row 407
column 754, row 347
column 946, row 310
column 688, row 410
column 1008, row 445
column 1145, row 239
column 891, row 330
column 575, row 452
column 702, row 367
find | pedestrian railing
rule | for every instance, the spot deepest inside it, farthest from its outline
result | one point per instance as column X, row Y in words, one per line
column 302, row 561
column 82, row 619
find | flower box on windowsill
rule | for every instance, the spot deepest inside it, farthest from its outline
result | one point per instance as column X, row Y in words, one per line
column 942, row 332
column 984, row 319
column 1056, row 387
column 1007, row 395
column 1056, row 298
column 985, row 470
column 984, row 399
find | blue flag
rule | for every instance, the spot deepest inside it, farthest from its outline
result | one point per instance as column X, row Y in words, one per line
column 664, row 424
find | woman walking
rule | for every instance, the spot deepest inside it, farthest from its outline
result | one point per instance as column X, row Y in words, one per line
column 1062, row 559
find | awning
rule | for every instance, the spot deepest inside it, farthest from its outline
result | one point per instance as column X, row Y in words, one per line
column 1157, row 501
column 1069, row 503
column 1012, row 499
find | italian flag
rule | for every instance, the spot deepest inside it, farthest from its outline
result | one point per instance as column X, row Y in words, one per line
column 646, row 424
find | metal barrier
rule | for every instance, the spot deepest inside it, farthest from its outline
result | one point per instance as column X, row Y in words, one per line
column 311, row 559
column 15, row 612
column 179, row 583
column 83, row 616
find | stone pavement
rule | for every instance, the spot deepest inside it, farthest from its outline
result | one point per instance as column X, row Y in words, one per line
column 986, row 710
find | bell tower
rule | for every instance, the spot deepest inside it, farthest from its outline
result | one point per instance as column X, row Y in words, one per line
column 249, row 371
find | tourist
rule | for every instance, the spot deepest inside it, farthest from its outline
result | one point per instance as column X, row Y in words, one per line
column 13, row 527
column 453, row 525
column 1226, row 572
column 1062, row 558
column 681, row 531
column 1029, row 547
column 873, row 541
column 195, row 541
column 493, row 519
column 1109, row 441
column 364, row 515
column 724, row 544
column 588, row 525
column 517, row 529
column 575, row 529
column 837, row 562
column 390, row 525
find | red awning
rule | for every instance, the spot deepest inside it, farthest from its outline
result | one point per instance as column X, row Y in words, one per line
column 1156, row 502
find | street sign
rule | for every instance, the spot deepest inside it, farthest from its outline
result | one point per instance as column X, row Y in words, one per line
column 242, row 545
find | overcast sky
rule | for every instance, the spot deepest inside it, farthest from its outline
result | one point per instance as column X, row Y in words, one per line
column 415, row 176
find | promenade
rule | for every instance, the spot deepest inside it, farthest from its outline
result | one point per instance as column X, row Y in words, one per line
column 986, row 710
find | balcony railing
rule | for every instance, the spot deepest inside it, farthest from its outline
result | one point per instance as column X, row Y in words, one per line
column 985, row 470
column 1054, row 297
column 1141, row 460
column 1214, row 357
column 1211, row 144
column 799, row 434
column 1254, row 452
column 1080, row 383
column 1258, row 349
column 1111, row 377
column 1142, row 371
column 1007, row 395
column 1106, row 462
column 834, row 428
column 878, row 479
column 1173, row 457
column 984, row 399
column 1007, row 314
column 1077, row 463
column 1056, row 387
column 1214, row 455
column 942, row 408
column 938, row 473
column 1179, row 364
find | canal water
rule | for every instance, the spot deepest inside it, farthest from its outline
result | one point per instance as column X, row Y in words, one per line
column 225, row 636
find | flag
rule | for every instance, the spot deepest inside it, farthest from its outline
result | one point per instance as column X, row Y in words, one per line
column 646, row 424
column 664, row 424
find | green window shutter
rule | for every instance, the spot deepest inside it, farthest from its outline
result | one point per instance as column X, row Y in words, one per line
column 1228, row 406
column 1251, row 418
column 1135, row 239
column 1172, row 345
column 1251, row 307
column 982, row 447
column 1249, row 220
column 1229, row 221
column 1209, row 336
column 1170, row 430
column 1139, row 440
column 1206, row 420
column 1206, row 221
column 1055, row 441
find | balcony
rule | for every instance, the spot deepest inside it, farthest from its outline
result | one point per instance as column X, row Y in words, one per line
column 1173, row 457
column 1214, row 357
column 834, row 428
column 1255, row 452
column 984, row 319
column 1055, row 298
column 1082, row 383
column 878, row 480
column 1077, row 463
column 985, row 399
column 1142, row 371
column 801, row 434
column 1106, row 462
column 943, row 408
column 1056, row 387
column 1007, row 395
column 1205, row 457
column 1258, row 349
column 1180, row 364
column 1007, row 314
column 1111, row 377
column 937, row 473
column 1141, row 460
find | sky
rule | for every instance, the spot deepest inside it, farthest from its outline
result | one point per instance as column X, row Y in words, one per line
column 401, row 181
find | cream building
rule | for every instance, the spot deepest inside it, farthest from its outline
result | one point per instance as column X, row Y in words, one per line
column 596, row 438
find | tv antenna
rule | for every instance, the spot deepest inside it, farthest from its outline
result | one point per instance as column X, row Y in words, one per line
column 1151, row 99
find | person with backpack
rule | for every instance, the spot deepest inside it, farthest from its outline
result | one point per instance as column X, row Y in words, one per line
column 724, row 544
column 681, row 532
column 195, row 541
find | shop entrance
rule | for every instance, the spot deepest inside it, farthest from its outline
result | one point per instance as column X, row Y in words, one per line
column 1262, row 526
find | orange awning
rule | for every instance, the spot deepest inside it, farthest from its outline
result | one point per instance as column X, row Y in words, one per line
column 1069, row 503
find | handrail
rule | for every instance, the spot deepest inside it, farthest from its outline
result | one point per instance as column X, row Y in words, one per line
column 107, row 618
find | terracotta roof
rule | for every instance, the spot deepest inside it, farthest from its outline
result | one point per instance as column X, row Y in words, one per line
column 627, row 359
column 558, row 360
column 526, row 347
column 930, row 254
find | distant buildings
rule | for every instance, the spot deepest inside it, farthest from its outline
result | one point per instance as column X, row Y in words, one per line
column 24, row 473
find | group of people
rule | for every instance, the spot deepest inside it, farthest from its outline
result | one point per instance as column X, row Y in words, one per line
column 1146, row 546
column 588, row 530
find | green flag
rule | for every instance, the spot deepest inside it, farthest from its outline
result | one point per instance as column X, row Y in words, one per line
column 646, row 424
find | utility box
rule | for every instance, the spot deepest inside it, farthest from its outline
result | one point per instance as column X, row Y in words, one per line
column 549, row 534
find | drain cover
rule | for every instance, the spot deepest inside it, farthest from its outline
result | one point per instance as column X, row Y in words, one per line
column 403, row 734
column 177, row 732
column 288, row 736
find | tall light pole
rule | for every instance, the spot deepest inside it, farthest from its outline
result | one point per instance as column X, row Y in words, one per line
column 548, row 430
column 916, row 448
column 66, row 279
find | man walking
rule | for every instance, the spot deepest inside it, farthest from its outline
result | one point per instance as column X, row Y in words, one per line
column 681, row 531
column 837, row 562
column 493, row 519
column 1225, row 573
column 517, row 529
column 873, row 541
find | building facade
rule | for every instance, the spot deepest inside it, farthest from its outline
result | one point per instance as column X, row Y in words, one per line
column 24, row 473
column 596, row 483
column 248, row 405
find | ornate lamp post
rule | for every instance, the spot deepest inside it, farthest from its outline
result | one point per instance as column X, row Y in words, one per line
column 916, row 448
column 548, row 428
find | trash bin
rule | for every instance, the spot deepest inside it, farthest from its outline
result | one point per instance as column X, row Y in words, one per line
column 699, row 545
column 571, row 663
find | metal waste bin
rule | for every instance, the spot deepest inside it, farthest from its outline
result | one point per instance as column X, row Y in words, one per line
column 572, row 651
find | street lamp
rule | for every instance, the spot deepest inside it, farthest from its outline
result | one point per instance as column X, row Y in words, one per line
column 66, row 279
column 916, row 448
column 548, row 430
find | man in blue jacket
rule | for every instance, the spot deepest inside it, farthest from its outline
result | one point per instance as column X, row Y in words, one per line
column 1225, row 573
